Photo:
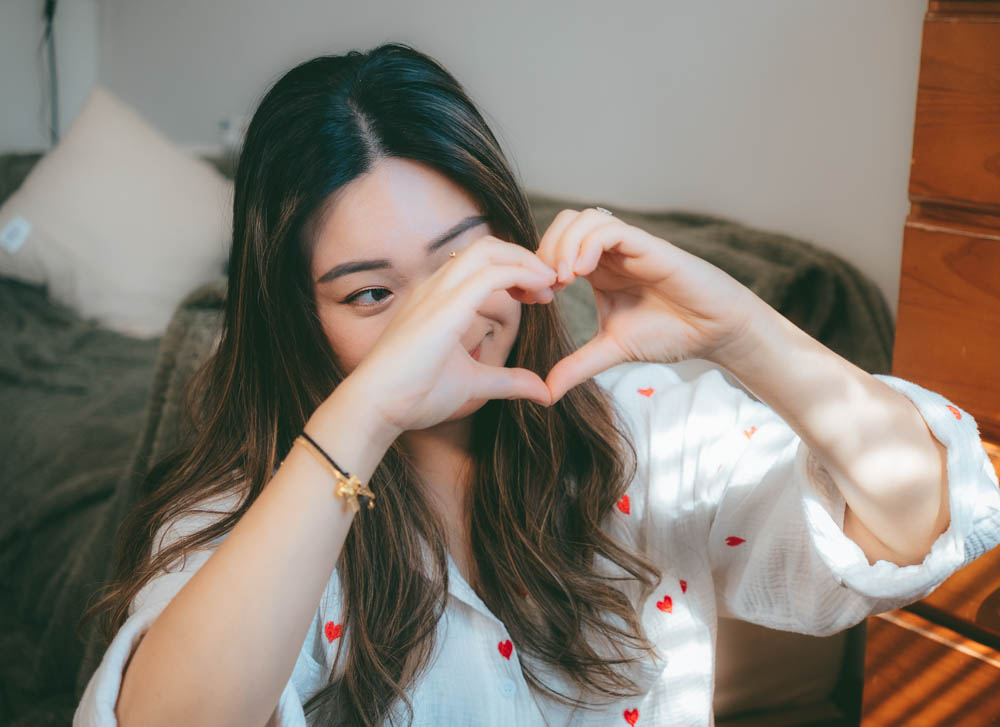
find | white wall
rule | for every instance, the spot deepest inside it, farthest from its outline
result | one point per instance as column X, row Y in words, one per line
column 24, row 81
column 790, row 115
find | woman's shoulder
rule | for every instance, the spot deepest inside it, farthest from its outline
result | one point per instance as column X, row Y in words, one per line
column 203, row 513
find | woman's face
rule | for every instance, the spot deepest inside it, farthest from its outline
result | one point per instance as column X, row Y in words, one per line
column 386, row 219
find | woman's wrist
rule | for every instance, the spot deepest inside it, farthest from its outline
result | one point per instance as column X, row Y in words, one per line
column 348, row 414
column 358, row 391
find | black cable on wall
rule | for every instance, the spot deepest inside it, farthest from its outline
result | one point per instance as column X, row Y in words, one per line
column 50, row 40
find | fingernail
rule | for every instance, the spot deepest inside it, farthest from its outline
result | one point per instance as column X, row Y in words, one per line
column 563, row 271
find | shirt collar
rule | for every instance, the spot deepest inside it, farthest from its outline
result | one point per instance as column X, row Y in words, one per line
column 458, row 586
column 460, row 589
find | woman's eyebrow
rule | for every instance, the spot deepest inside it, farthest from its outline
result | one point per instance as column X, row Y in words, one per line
column 356, row 266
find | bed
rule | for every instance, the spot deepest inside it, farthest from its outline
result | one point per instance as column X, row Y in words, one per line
column 86, row 410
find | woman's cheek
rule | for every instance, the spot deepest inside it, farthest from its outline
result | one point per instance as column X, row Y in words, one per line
column 338, row 333
column 354, row 341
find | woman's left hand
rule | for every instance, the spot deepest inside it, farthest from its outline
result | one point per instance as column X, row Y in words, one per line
column 655, row 301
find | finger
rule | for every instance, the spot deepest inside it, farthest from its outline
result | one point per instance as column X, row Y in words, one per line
column 632, row 243
column 454, row 309
column 568, row 247
column 487, row 251
column 596, row 355
column 594, row 243
column 470, row 294
column 500, row 382
column 541, row 295
column 547, row 245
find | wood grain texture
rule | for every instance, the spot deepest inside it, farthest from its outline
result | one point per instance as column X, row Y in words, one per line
column 948, row 322
column 956, row 136
column 947, row 339
column 921, row 674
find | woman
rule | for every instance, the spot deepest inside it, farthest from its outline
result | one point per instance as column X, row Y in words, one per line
column 542, row 535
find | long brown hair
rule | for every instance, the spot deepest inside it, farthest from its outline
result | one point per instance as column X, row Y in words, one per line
column 544, row 478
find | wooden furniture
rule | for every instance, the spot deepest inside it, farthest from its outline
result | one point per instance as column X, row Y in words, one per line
column 948, row 340
column 948, row 324
column 919, row 673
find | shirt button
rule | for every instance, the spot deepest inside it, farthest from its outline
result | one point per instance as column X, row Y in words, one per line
column 508, row 688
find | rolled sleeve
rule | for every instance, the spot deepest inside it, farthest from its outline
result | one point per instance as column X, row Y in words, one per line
column 779, row 555
column 97, row 705
column 973, row 497
column 100, row 697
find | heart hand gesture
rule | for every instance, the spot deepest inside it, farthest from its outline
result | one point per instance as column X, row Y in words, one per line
column 655, row 301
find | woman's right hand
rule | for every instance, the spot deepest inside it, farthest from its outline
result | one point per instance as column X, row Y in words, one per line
column 418, row 372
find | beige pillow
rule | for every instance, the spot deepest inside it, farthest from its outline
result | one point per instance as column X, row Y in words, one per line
column 117, row 221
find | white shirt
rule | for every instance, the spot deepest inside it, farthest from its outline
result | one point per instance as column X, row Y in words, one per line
column 727, row 499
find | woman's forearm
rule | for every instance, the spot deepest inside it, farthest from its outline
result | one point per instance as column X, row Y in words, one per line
column 870, row 438
column 223, row 649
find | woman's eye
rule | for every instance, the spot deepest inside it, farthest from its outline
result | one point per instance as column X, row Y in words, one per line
column 351, row 300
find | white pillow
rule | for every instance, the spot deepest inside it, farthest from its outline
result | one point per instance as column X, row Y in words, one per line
column 117, row 221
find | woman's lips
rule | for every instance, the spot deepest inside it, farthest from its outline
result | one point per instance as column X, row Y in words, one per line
column 479, row 346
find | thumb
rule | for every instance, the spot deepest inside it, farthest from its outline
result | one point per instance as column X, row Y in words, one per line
column 596, row 355
column 500, row 382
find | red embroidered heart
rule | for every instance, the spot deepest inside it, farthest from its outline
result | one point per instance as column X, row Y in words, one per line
column 749, row 432
column 505, row 648
column 623, row 504
column 666, row 605
column 631, row 716
column 955, row 411
column 646, row 392
column 684, row 586
column 732, row 540
column 332, row 631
